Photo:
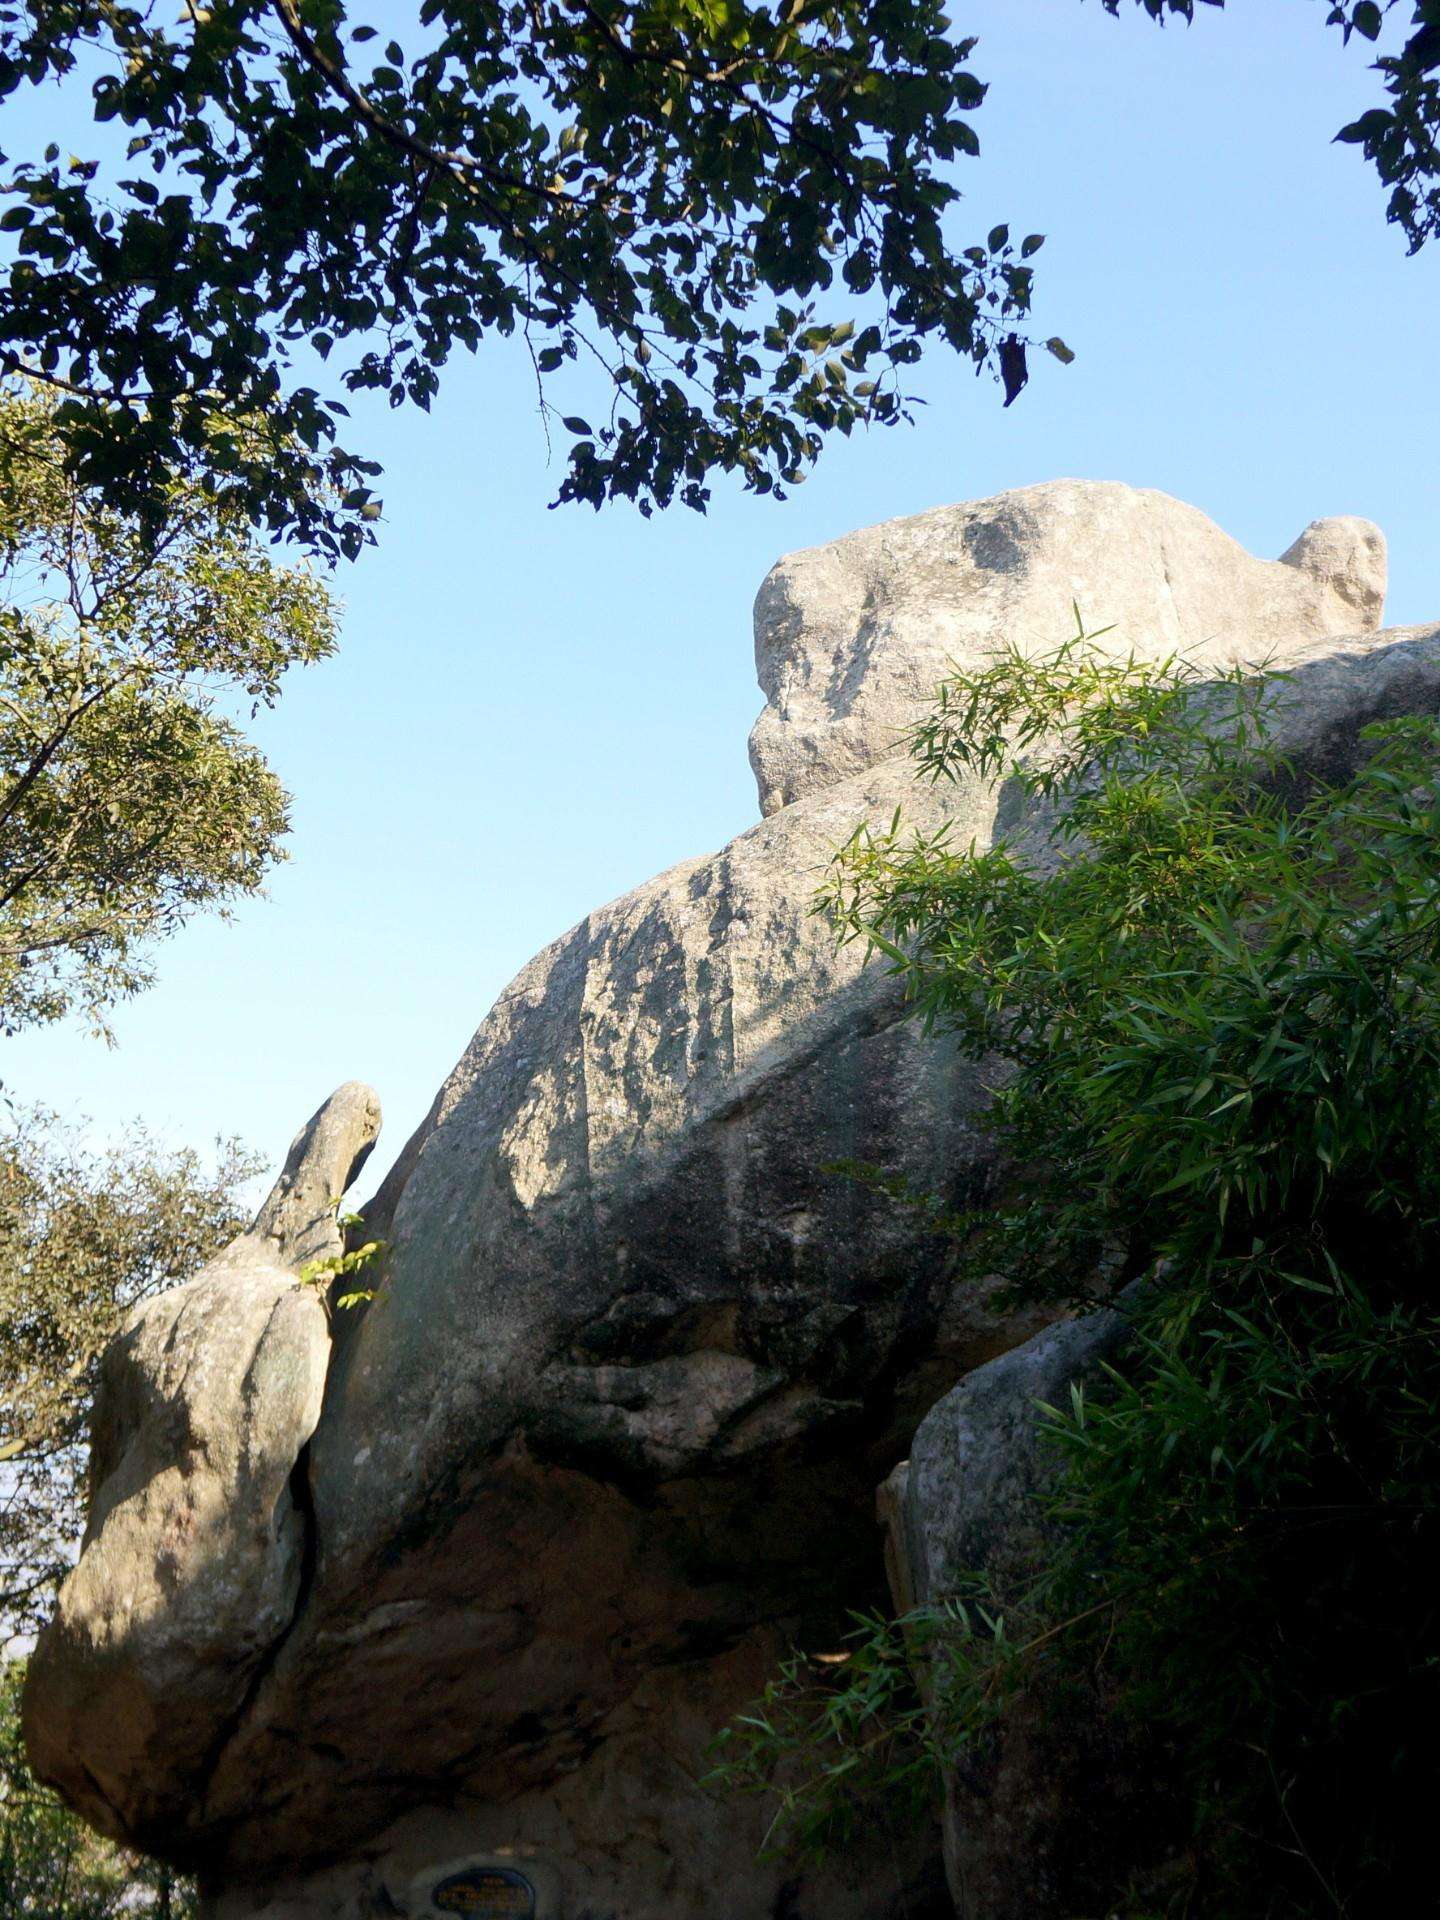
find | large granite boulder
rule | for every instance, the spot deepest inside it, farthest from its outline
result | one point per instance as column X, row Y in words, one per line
column 1039, row 1811
column 195, row 1553
column 608, row 1435
column 852, row 637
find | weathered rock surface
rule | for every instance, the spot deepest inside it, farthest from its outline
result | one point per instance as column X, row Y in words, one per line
column 851, row 639
column 1050, row 1795
column 962, row 1502
column 634, row 1368
column 194, row 1555
column 625, row 1833
column 610, row 1431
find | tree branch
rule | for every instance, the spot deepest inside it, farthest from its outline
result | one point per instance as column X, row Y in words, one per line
column 336, row 78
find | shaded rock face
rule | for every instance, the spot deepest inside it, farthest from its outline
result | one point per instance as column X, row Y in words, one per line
column 626, row 1832
column 608, row 1436
column 963, row 1502
column 1056, row 1798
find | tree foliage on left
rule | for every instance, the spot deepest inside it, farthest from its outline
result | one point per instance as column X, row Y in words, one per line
column 83, row 1237
column 128, row 802
column 51, row 1866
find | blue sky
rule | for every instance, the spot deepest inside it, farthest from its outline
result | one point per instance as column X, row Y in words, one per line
column 533, row 711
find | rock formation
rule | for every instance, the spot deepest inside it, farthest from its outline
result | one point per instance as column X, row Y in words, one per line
column 1053, row 1793
column 610, row 1431
column 194, row 1556
column 851, row 639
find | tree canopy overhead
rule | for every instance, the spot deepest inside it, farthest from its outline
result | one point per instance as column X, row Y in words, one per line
column 664, row 187
column 739, row 208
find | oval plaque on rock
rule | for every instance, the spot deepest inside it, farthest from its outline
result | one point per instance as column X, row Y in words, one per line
column 497, row 1893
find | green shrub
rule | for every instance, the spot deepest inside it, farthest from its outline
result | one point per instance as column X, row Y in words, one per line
column 1211, row 993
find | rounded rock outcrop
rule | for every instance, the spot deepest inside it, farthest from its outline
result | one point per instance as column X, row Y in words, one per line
column 641, row 1348
column 852, row 638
